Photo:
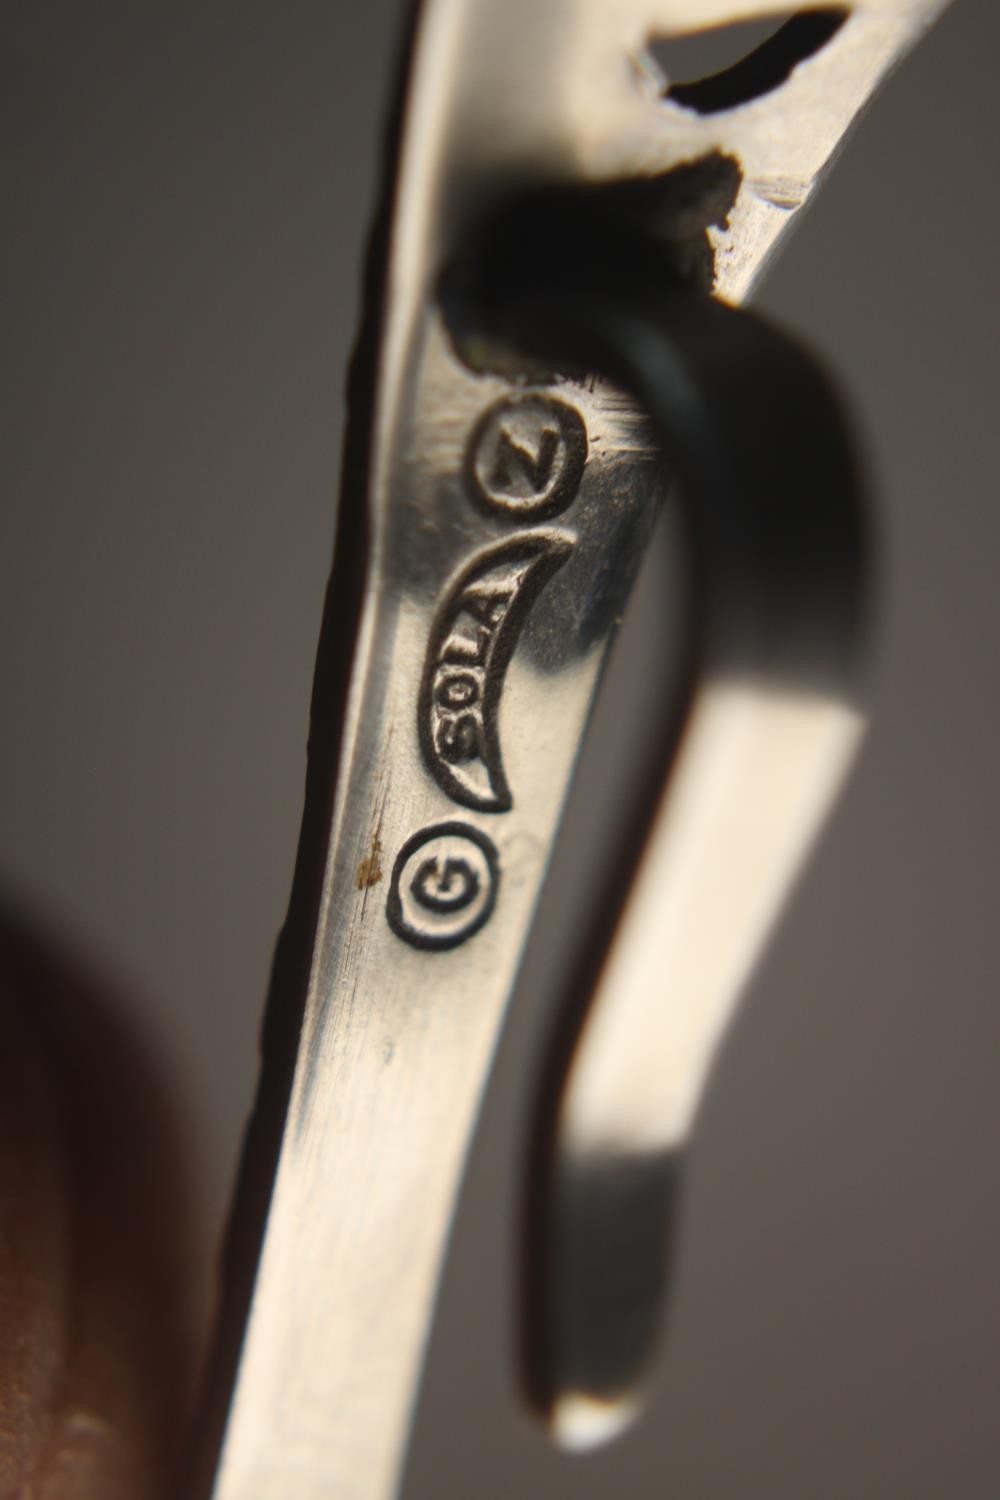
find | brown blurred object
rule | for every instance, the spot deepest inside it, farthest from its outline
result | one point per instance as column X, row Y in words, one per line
column 96, row 1305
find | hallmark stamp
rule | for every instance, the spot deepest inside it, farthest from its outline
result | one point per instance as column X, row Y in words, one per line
column 471, row 643
column 526, row 457
column 443, row 887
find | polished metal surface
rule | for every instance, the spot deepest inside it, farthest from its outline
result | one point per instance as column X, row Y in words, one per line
column 505, row 523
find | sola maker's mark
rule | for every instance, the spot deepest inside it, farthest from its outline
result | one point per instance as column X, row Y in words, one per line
column 471, row 643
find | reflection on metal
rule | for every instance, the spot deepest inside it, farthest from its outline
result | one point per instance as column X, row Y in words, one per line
column 385, row 1009
column 756, row 775
column 704, row 894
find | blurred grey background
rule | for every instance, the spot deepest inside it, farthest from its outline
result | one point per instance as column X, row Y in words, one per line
column 186, row 191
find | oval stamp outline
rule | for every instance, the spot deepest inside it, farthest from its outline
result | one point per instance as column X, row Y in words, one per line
column 439, row 941
column 570, row 433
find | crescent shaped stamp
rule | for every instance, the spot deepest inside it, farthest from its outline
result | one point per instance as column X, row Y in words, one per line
column 471, row 643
